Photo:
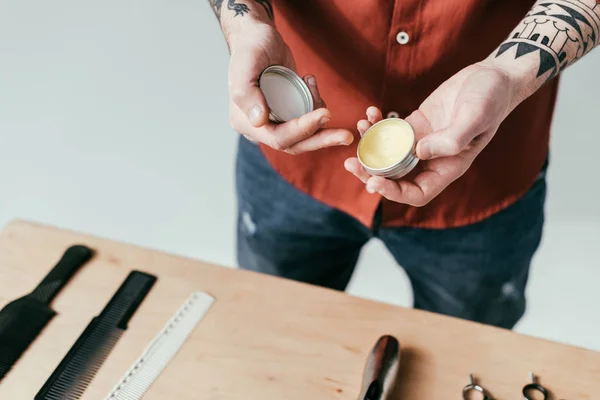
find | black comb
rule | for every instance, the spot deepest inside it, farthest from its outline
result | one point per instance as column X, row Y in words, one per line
column 22, row 320
column 77, row 370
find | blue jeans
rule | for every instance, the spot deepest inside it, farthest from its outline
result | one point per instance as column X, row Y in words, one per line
column 477, row 272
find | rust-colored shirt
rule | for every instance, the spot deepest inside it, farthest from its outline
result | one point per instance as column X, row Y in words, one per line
column 393, row 54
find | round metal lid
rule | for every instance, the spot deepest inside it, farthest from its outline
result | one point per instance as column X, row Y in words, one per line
column 286, row 93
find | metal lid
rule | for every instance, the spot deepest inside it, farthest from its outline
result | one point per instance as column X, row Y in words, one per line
column 286, row 93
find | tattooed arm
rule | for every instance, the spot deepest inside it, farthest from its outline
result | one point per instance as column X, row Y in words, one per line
column 255, row 44
column 457, row 121
column 240, row 8
column 233, row 14
column 554, row 35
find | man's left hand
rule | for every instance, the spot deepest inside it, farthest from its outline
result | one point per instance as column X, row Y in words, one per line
column 452, row 126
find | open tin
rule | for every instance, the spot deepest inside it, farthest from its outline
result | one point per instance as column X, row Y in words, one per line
column 287, row 95
column 387, row 149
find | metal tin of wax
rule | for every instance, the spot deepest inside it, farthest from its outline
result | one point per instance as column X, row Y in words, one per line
column 403, row 164
column 287, row 95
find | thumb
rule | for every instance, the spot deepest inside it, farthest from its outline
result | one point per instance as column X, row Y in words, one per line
column 451, row 140
column 245, row 93
column 311, row 82
column 251, row 100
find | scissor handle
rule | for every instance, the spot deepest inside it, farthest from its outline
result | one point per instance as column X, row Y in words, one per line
column 534, row 387
column 474, row 387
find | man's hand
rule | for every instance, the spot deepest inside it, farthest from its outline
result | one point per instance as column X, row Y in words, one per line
column 461, row 117
column 452, row 126
column 254, row 46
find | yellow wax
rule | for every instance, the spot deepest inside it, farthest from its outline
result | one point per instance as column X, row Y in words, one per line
column 386, row 143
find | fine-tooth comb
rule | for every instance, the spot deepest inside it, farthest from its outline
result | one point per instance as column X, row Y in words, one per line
column 77, row 370
column 160, row 352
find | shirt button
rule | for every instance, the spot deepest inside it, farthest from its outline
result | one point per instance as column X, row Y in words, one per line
column 393, row 114
column 402, row 37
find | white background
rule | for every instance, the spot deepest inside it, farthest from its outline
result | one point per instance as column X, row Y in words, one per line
column 113, row 121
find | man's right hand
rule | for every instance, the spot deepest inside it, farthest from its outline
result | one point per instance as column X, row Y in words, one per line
column 254, row 46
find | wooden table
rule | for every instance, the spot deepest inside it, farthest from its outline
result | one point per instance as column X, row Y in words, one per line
column 267, row 338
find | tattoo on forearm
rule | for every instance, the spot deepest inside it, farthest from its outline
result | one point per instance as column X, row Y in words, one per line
column 241, row 9
column 562, row 31
column 268, row 7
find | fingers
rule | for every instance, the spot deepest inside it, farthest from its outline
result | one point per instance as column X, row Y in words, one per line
column 353, row 165
column 377, row 184
column 283, row 136
column 363, row 125
column 244, row 90
column 311, row 82
column 322, row 139
column 374, row 115
column 398, row 191
column 250, row 138
column 300, row 135
column 416, row 192
column 304, row 134
column 425, row 187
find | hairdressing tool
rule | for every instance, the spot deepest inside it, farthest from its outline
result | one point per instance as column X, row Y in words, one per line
column 22, row 320
column 77, row 370
column 534, row 387
column 381, row 369
column 473, row 387
column 162, row 349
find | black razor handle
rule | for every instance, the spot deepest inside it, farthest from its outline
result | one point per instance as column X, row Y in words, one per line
column 71, row 261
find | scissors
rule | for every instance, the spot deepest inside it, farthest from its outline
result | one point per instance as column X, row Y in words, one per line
column 473, row 387
column 528, row 390
column 534, row 387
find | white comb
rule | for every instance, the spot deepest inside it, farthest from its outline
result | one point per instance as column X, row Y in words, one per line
column 162, row 349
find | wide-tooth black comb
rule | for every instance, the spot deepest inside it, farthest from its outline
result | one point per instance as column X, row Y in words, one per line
column 77, row 370
column 22, row 320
